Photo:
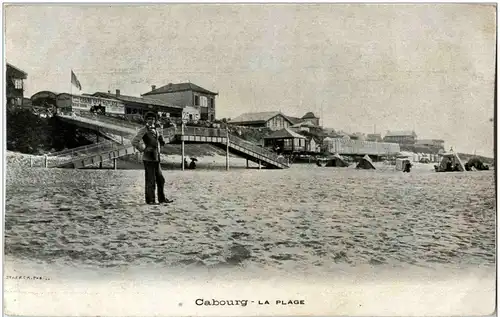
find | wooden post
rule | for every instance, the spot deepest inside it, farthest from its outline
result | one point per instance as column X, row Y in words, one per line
column 227, row 150
column 45, row 162
column 247, row 163
column 259, row 164
column 31, row 161
column 121, row 136
column 114, row 164
column 182, row 145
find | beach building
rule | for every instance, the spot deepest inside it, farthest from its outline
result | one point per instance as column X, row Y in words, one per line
column 110, row 103
column 138, row 105
column 287, row 141
column 186, row 95
column 274, row 120
column 401, row 137
column 15, row 85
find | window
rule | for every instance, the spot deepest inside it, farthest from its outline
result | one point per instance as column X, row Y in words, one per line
column 212, row 103
column 19, row 101
column 204, row 101
column 18, row 83
column 196, row 100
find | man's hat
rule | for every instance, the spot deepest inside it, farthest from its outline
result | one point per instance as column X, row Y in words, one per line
column 150, row 114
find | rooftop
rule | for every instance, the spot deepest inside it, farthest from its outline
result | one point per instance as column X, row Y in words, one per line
column 256, row 117
column 177, row 88
column 284, row 134
column 17, row 71
column 142, row 100
column 309, row 115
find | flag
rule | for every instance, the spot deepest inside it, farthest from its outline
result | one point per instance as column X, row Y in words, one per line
column 75, row 81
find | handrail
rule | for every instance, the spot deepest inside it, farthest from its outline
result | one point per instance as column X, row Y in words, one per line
column 256, row 149
column 219, row 132
column 202, row 131
column 107, row 119
column 175, row 130
column 80, row 148
column 113, row 147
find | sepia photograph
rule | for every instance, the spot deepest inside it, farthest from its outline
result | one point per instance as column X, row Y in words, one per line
column 250, row 159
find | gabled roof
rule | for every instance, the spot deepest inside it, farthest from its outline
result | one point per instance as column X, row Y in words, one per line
column 294, row 120
column 257, row 117
column 309, row 115
column 19, row 72
column 177, row 88
column 400, row 133
column 141, row 100
column 284, row 134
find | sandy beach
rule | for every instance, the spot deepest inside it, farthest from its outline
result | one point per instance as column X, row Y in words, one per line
column 301, row 218
column 426, row 232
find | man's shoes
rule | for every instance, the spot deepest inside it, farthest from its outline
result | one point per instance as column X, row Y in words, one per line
column 166, row 201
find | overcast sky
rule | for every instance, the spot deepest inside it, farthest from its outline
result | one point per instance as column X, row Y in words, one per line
column 359, row 67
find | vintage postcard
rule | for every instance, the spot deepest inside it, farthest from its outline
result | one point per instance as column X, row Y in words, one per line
column 225, row 159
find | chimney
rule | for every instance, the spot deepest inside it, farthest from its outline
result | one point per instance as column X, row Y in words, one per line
column 118, row 93
column 153, row 87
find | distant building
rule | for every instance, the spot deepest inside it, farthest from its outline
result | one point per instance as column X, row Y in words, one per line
column 401, row 137
column 140, row 105
column 273, row 120
column 15, row 85
column 374, row 137
column 437, row 143
column 186, row 95
column 310, row 117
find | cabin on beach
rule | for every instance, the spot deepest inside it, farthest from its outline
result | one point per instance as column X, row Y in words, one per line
column 286, row 141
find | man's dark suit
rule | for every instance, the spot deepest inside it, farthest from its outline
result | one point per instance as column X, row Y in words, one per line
column 151, row 159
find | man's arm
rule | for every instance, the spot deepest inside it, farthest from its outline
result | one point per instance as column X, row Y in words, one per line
column 136, row 141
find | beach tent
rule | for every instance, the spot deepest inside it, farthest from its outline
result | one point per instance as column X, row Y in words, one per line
column 453, row 157
column 337, row 161
column 366, row 163
column 477, row 164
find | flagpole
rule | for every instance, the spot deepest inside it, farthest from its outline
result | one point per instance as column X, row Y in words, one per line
column 71, row 89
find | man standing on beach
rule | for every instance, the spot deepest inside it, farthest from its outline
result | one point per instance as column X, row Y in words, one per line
column 152, row 140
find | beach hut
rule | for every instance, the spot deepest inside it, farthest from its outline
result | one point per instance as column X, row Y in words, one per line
column 286, row 140
column 450, row 162
column 403, row 158
column 366, row 163
column 337, row 161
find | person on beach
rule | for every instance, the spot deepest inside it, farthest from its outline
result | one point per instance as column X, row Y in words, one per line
column 152, row 140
